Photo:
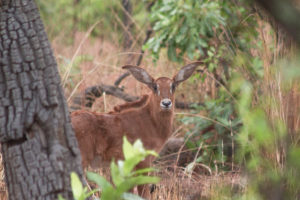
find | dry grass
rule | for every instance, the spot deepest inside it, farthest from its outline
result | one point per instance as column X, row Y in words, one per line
column 105, row 66
column 3, row 192
column 281, row 95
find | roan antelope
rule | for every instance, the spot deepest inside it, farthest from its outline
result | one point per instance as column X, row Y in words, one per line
column 149, row 119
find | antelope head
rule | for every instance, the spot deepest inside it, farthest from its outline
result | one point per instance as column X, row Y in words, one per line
column 163, row 88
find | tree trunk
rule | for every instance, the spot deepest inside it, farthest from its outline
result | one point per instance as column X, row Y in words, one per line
column 38, row 144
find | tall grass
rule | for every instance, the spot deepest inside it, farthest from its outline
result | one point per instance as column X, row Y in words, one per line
column 272, row 98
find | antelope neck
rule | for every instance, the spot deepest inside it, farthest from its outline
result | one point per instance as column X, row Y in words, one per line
column 163, row 120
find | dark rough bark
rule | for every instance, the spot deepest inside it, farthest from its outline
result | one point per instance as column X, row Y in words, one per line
column 38, row 144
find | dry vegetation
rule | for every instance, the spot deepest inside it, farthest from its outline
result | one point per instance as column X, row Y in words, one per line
column 177, row 183
column 103, row 65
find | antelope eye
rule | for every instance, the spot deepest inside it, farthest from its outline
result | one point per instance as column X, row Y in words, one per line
column 173, row 87
column 156, row 89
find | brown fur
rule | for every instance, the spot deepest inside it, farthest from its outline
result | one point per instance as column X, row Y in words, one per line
column 100, row 136
column 130, row 105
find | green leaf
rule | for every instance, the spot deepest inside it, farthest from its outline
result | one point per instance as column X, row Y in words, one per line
column 138, row 147
column 151, row 152
column 60, row 197
column 129, row 164
column 133, row 181
column 190, row 168
column 91, row 193
column 130, row 196
column 127, row 149
column 110, row 194
column 99, row 180
column 76, row 184
column 133, row 155
column 210, row 53
column 143, row 171
column 115, row 174
column 191, row 50
column 172, row 52
column 293, row 157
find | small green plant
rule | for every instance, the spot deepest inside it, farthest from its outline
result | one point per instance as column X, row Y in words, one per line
column 123, row 175
column 218, row 127
column 79, row 192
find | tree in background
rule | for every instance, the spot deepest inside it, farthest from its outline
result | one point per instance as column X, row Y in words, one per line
column 38, row 144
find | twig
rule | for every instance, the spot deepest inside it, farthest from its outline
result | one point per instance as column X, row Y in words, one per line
column 122, row 77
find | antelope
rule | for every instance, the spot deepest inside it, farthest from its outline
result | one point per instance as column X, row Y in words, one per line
column 150, row 119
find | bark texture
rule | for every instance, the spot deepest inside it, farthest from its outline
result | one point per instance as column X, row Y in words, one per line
column 38, row 144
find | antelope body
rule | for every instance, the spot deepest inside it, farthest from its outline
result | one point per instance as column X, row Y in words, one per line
column 149, row 119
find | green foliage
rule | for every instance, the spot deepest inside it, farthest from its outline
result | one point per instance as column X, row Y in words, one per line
column 183, row 27
column 67, row 14
column 218, row 126
column 192, row 27
column 64, row 17
column 123, row 175
column 216, row 32
column 79, row 192
column 271, row 159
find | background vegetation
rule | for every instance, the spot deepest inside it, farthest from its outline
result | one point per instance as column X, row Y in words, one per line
column 243, row 130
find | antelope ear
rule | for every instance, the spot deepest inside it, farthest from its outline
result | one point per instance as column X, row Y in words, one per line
column 185, row 72
column 140, row 74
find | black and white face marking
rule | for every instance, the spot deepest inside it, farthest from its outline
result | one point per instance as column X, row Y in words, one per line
column 172, row 88
column 156, row 89
column 166, row 104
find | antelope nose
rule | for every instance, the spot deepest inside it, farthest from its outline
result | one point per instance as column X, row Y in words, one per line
column 166, row 103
